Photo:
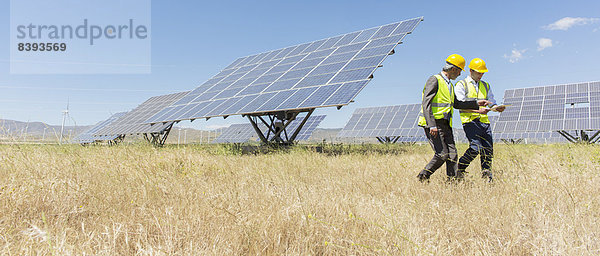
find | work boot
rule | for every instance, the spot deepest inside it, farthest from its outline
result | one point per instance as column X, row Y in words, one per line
column 487, row 174
column 423, row 176
column 451, row 180
column 458, row 178
column 460, row 175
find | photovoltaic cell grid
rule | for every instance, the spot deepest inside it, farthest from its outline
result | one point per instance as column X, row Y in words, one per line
column 327, row 72
column 400, row 120
column 308, row 128
column 412, row 139
column 240, row 133
column 566, row 107
column 88, row 136
column 531, row 137
column 391, row 121
column 236, row 133
column 459, row 136
column 133, row 121
column 528, row 137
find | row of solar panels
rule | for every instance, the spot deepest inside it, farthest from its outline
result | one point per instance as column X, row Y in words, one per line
column 236, row 133
column 535, row 114
column 88, row 135
column 372, row 122
column 389, row 121
column 132, row 122
column 401, row 120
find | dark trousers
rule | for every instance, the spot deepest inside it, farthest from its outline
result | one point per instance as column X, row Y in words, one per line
column 444, row 147
column 480, row 143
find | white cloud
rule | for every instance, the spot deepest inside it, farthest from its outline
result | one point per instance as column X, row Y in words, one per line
column 568, row 22
column 515, row 55
column 544, row 43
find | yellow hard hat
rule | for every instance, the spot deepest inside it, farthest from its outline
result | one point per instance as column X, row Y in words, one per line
column 478, row 65
column 456, row 60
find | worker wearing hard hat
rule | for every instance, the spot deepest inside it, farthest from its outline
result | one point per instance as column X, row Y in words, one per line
column 476, row 123
column 436, row 116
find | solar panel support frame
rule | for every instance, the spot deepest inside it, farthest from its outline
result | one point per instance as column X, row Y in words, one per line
column 273, row 135
column 112, row 142
column 158, row 139
column 512, row 141
column 117, row 140
column 580, row 136
column 388, row 139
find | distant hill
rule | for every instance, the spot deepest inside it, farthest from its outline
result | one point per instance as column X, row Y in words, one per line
column 18, row 130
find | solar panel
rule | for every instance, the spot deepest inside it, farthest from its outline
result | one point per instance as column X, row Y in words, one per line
column 327, row 72
column 240, row 133
column 236, row 133
column 388, row 121
column 459, row 135
column 567, row 107
column 393, row 121
column 133, row 121
column 412, row 139
column 309, row 127
column 530, row 137
column 88, row 135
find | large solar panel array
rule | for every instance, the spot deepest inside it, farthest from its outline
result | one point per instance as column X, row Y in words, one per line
column 389, row 121
column 240, row 133
column 327, row 72
column 565, row 107
column 133, row 121
column 88, row 136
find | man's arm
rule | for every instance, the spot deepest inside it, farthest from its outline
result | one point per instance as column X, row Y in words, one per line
column 461, row 95
column 431, row 88
column 471, row 104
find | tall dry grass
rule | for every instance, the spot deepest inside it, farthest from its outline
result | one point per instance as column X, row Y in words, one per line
column 135, row 199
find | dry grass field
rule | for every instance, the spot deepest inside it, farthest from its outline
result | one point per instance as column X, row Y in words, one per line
column 135, row 199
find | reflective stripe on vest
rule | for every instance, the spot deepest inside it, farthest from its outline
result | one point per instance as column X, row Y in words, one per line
column 442, row 103
column 472, row 93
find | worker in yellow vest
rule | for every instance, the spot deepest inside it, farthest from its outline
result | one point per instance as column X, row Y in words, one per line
column 436, row 116
column 476, row 123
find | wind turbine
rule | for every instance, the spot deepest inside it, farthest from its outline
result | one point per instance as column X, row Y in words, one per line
column 62, row 127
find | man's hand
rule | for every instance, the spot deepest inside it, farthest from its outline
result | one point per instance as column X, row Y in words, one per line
column 482, row 111
column 482, row 102
column 500, row 108
column 433, row 131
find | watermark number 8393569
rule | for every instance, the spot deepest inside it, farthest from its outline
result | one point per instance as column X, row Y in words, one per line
column 42, row 47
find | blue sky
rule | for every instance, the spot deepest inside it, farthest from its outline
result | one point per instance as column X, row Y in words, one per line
column 525, row 43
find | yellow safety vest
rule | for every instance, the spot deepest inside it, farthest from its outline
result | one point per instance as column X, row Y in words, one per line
column 442, row 104
column 472, row 93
